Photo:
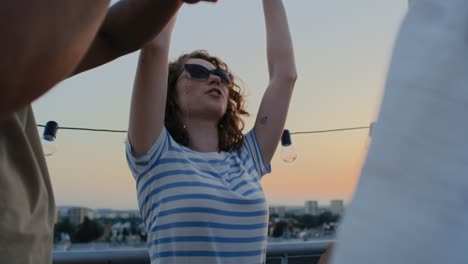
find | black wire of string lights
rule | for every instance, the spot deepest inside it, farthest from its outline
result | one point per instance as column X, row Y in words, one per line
column 329, row 130
column 90, row 129
column 288, row 152
column 292, row 133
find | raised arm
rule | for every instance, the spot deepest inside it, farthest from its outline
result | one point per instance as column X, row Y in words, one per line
column 148, row 104
column 42, row 43
column 53, row 39
column 129, row 25
column 282, row 70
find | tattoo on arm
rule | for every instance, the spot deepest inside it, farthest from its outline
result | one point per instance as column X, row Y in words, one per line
column 263, row 120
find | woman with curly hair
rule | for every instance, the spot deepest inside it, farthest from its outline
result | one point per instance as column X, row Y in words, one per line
column 197, row 175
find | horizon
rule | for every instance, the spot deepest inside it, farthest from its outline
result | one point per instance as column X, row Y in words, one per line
column 61, row 206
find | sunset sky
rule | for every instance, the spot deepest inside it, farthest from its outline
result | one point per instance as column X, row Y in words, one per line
column 342, row 53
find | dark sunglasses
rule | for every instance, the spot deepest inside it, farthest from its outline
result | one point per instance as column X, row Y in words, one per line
column 199, row 72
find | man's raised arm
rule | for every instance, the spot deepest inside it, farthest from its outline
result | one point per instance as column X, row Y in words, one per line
column 42, row 43
column 47, row 41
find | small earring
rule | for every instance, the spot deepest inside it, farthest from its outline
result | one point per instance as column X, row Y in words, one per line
column 184, row 126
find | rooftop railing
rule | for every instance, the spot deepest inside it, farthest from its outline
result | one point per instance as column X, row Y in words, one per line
column 277, row 253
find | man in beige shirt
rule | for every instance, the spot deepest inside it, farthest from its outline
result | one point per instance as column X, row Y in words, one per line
column 44, row 42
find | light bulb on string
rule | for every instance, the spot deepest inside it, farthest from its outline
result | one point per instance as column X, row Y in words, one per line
column 288, row 152
column 48, row 140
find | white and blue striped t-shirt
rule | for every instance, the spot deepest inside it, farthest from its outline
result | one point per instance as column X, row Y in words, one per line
column 202, row 207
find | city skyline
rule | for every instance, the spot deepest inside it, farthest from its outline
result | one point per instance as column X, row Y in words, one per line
column 64, row 207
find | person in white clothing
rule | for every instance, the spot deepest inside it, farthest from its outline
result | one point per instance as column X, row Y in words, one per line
column 411, row 200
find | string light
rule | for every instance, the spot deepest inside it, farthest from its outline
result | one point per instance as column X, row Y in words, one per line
column 291, row 133
column 49, row 144
column 288, row 152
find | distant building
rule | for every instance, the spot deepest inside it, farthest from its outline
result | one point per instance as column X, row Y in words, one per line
column 120, row 231
column 135, row 213
column 107, row 232
column 311, row 208
column 92, row 214
column 296, row 210
column 78, row 214
column 109, row 213
column 337, row 207
column 278, row 210
column 58, row 216
column 124, row 215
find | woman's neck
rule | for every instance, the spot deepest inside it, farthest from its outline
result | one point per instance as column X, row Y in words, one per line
column 203, row 135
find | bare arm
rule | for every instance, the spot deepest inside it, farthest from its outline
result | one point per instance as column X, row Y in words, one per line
column 282, row 71
column 46, row 40
column 129, row 25
column 42, row 42
column 148, row 104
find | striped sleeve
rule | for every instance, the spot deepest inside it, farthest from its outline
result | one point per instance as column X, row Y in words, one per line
column 138, row 164
column 253, row 150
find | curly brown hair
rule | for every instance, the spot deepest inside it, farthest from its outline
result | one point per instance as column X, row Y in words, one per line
column 231, row 124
